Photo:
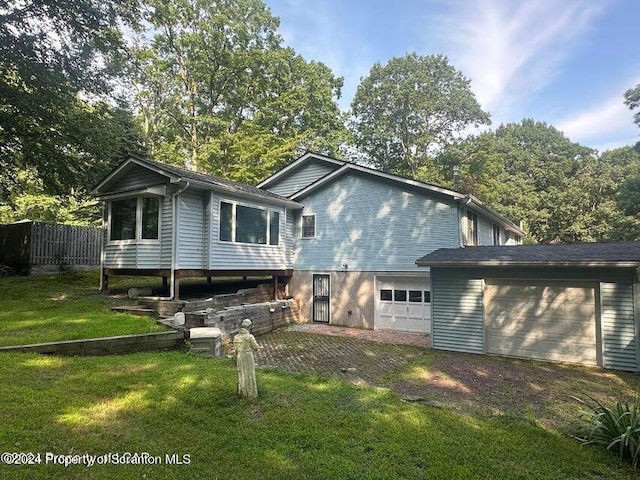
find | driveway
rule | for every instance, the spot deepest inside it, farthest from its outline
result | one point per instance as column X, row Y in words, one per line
column 355, row 354
column 478, row 384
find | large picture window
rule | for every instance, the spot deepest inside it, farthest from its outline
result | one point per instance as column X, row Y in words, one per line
column 135, row 219
column 243, row 224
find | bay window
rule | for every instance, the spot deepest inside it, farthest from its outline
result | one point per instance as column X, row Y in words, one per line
column 135, row 219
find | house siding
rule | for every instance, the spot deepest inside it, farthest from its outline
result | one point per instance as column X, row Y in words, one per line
column 138, row 177
column 244, row 256
column 372, row 225
column 301, row 177
column 457, row 306
column 166, row 232
column 289, row 245
column 457, row 311
column 190, row 227
column 618, row 326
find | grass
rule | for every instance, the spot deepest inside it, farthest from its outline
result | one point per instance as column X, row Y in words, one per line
column 302, row 426
column 48, row 309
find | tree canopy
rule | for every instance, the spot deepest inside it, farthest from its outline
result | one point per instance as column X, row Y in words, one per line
column 407, row 110
column 561, row 190
column 57, row 62
column 219, row 93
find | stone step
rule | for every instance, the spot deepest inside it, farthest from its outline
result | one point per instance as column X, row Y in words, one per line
column 135, row 310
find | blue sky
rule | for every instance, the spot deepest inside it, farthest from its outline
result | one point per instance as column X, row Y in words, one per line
column 564, row 62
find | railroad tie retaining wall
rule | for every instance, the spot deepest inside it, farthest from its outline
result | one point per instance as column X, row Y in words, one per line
column 106, row 346
column 265, row 316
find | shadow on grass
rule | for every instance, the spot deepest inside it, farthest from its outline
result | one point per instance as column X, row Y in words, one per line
column 302, row 426
column 507, row 386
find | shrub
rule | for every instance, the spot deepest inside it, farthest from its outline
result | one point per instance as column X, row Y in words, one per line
column 6, row 271
column 616, row 427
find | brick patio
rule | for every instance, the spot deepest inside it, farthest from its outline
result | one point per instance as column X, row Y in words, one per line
column 354, row 354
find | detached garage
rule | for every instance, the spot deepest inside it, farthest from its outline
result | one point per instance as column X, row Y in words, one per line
column 566, row 302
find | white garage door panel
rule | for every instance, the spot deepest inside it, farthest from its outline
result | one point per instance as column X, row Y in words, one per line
column 543, row 321
column 405, row 306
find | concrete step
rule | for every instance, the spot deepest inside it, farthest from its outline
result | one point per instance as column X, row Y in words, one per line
column 135, row 310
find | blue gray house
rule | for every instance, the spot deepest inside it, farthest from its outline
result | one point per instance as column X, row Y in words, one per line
column 342, row 236
column 577, row 303
column 161, row 220
column 358, row 233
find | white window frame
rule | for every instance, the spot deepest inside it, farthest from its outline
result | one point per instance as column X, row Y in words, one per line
column 302, row 235
column 269, row 211
column 465, row 228
column 138, row 240
column 495, row 226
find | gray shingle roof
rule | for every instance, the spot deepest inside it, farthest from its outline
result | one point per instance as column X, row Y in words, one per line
column 561, row 254
column 211, row 180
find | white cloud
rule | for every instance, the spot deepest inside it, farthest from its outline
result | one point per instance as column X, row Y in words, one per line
column 608, row 124
column 315, row 32
column 510, row 50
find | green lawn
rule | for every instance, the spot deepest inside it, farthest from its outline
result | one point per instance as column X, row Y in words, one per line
column 302, row 426
column 47, row 309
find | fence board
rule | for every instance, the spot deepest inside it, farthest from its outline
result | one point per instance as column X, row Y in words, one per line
column 49, row 244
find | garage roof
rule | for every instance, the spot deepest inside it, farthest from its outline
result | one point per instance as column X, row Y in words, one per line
column 617, row 254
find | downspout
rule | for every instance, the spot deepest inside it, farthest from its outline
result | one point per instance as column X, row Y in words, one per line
column 286, row 238
column 102, row 246
column 174, row 239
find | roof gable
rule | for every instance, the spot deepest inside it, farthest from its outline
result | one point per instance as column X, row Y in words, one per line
column 180, row 175
column 340, row 167
column 297, row 164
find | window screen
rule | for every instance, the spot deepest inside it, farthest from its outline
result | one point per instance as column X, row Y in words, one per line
column 226, row 221
column 251, row 225
column 274, row 228
column 308, row 226
column 123, row 219
column 150, row 216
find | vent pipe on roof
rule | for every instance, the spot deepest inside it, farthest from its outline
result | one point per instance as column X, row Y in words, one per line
column 456, row 177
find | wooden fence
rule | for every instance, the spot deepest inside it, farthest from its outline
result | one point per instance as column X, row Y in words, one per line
column 29, row 244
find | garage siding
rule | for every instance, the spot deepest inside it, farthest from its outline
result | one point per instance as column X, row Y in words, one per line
column 457, row 311
column 618, row 326
column 457, row 307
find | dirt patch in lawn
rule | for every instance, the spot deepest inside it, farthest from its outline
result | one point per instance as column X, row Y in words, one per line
column 506, row 386
column 477, row 384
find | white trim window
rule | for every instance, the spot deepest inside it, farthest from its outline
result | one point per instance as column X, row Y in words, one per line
column 134, row 219
column 309, row 226
column 496, row 234
column 470, row 227
column 248, row 224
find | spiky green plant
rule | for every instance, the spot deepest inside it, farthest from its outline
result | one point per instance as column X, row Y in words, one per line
column 616, row 427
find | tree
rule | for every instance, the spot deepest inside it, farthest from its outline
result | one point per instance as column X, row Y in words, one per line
column 632, row 100
column 406, row 111
column 220, row 94
column 55, row 57
column 531, row 172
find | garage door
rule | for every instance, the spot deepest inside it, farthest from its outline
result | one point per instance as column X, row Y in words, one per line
column 403, row 304
column 548, row 321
